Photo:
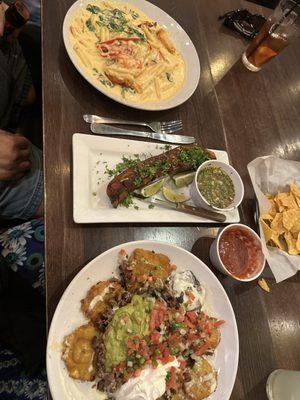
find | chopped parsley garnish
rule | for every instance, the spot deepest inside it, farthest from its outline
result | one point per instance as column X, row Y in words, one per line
column 151, row 206
column 168, row 376
column 127, row 162
column 195, row 156
column 127, row 202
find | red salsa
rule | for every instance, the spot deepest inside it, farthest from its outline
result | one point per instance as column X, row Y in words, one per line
column 240, row 252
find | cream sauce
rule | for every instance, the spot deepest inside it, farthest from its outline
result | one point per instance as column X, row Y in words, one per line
column 147, row 68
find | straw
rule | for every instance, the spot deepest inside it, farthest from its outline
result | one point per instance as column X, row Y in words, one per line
column 286, row 14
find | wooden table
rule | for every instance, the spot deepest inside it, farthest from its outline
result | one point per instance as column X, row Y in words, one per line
column 247, row 114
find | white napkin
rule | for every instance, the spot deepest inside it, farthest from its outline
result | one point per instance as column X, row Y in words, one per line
column 271, row 174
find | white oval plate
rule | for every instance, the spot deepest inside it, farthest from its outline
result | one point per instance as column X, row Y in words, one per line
column 180, row 38
column 68, row 316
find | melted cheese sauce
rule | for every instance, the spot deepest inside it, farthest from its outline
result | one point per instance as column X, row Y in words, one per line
column 126, row 52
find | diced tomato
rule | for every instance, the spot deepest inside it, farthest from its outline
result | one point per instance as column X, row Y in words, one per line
column 192, row 337
column 155, row 337
column 182, row 364
column 172, row 382
column 190, row 295
column 142, row 278
column 123, row 253
column 192, row 316
column 167, row 359
column 174, row 339
column 203, row 349
column 219, row 323
column 173, row 267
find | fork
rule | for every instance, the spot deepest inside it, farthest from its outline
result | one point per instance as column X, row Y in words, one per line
column 159, row 127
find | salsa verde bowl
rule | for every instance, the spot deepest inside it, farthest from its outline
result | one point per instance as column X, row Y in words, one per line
column 238, row 185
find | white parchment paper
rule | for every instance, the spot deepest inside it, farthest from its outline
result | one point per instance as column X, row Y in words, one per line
column 271, row 174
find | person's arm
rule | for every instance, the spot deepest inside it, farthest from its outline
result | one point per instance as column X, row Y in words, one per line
column 14, row 156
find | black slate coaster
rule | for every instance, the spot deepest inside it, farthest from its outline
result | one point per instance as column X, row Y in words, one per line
column 266, row 3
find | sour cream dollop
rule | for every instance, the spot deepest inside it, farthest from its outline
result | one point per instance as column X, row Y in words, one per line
column 184, row 282
column 150, row 385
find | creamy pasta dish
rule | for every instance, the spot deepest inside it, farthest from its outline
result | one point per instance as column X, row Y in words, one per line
column 126, row 52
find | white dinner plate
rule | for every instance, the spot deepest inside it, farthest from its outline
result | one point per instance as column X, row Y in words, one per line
column 91, row 154
column 179, row 37
column 68, row 316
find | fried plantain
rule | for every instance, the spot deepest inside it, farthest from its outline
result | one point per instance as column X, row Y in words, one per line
column 101, row 298
column 78, row 353
column 203, row 382
column 146, row 270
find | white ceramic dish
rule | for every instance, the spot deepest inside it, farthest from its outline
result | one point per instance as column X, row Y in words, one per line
column 68, row 316
column 200, row 201
column 89, row 155
column 180, row 38
column 215, row 258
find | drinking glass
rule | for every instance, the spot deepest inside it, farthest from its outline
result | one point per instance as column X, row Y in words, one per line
column 283, row 384
column 280, row 29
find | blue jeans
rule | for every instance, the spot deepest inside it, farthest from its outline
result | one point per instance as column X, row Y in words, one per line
column 21, row 199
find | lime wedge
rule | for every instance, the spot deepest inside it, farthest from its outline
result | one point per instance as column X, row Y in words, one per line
column 153, row 188
column 184, row 179
column 173, row 196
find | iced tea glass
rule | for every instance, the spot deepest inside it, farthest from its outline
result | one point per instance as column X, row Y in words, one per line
column 280, row 29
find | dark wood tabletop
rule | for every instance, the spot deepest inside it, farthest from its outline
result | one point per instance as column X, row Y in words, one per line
column 247, row 114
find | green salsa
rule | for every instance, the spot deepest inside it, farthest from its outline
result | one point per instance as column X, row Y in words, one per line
column 216, row 187
column 128, row 321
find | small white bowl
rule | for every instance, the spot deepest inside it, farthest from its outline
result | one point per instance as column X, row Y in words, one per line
column 215, row 258
column 200, row 201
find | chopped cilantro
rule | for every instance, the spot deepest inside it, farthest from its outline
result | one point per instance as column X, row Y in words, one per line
column 176, row 325
column 168, row 376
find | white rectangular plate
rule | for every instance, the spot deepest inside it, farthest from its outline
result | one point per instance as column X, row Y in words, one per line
column 91, row 155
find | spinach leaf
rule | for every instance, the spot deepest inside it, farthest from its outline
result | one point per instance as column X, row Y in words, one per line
column 93, row 9
column 89, row 25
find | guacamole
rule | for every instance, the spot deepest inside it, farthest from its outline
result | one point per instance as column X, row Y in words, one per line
column 128, row 321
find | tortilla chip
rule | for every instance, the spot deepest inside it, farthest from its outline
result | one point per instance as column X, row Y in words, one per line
column 279, row 242
column 289, row 218
column 268, row 232
column 263, row 284
column 298, row 242
column 295, row 190
column 281, row 224
column 273, row 208
column 277, row 224
column 288, row 201
column 291, row 243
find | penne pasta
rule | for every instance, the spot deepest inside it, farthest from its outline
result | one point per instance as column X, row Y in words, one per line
column 126, row 52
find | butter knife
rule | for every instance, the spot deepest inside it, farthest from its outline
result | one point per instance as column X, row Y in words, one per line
column 102, row 129
column 185, row 208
